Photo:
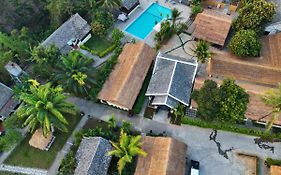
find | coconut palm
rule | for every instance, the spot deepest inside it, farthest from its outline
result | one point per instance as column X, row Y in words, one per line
column 44, row 106
column 127, row 148
column 202, row 51
column 175, row 16
column 272, row 98
column 76, row 73
column 110, row 4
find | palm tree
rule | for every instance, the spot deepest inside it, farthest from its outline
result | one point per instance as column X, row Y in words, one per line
column 127, row 148
column 76, row 73
column 110, row 4
column 175, row 17
column 202, row 51
column 44, row 106
column 126, row 126
column 272, row 98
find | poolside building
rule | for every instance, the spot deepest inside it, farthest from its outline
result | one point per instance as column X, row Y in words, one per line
column 125, row 81
column 74, row 29
column 165, row 156
column 92, row 157
column 275, row 170
column 212, row 26
column 172, row 81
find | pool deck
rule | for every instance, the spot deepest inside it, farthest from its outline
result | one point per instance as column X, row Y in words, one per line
column 186, row 11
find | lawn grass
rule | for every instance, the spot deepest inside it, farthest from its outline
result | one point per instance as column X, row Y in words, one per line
column 98, row 44
column 8, row 173
column 27, row 156
column 141, row 97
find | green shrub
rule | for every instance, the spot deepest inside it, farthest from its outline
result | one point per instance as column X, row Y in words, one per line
column 228, row 127
column 196, row 9
column 68, row 164
column 107, row 51
column 245, row 43
column 10, row 139
column 117, row 35
column 270, row 161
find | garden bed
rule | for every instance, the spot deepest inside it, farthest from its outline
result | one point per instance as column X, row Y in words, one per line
column 27, row 156
column 141, row 97
column 99, row 46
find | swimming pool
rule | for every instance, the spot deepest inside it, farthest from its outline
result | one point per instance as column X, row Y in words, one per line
column 144, row 24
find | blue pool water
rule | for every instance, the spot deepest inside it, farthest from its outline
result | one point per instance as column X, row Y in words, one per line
column 143, row 25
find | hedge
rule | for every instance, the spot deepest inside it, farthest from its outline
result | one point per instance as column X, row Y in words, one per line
column 100, row 54
column 270, row 161
column 230, row 127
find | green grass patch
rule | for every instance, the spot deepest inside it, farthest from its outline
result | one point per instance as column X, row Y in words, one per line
column 8, row 173
column 27, row 156
column 141, row 97
column 270, row 162
column 99, row 46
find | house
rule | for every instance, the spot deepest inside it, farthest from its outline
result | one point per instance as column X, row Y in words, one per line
column 125, row 81
column 75, row 28
column 7, row 103
column 275, row 170
column 165, row 156
column 212, row 26
column 129, row 5
column 92, row 156
column 172, row 81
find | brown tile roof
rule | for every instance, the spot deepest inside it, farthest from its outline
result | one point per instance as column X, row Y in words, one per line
column 212, row 26
column 165, row 156
column 125, row 81
column 275, row 170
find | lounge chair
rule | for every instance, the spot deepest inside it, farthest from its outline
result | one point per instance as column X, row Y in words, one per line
column 122, row 17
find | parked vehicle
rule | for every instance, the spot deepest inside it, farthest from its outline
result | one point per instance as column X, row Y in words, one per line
column 194, row 167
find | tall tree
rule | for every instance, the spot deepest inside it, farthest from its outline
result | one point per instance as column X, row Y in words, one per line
column 44, row 106
column 272, row 98
column 202, row 51
column 126, row 149
column 110, row 4
column 76, row 73
column 175, row 16
column 253, row 15
column 233, row 102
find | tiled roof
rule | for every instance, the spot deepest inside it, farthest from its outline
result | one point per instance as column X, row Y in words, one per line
column 92, row 156
column 172, row 80
column 74, row 28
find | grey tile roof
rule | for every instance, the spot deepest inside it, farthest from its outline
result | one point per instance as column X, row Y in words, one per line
column 128, row 4
column 92, row 156
column 172, row 80
column 5, row 95
column 74, row 28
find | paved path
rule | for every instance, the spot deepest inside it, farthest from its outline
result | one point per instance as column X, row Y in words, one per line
column 200, row 145
column 66, row 148
column 97, row 60
column 22, row 170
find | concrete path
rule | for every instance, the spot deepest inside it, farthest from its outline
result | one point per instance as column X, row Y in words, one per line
column 98, row 61
column 22, row 170
column 66, row 148
column 200, row 146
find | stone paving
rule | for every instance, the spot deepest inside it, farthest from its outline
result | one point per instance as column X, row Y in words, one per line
column 22, row 170
column 200, row 146
column 97, row 60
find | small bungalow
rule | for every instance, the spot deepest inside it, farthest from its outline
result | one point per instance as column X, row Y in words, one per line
column 74, row 31
column 7, row 103
column 212, row 26
column 125, row 81
column 165, row 156
column 92, row 156
column 129, row 5
column 172, row 81
column 275, row 170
